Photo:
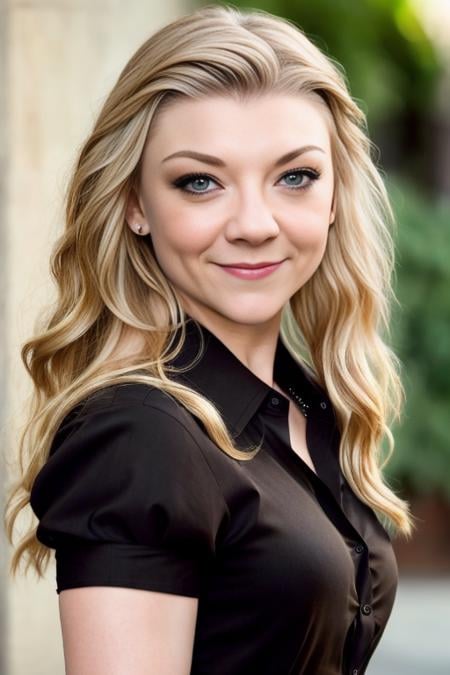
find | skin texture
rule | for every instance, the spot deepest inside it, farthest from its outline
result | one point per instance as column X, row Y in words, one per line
column 126, row 631
column 246, row 211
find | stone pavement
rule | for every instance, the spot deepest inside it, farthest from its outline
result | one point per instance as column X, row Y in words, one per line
column 416, row 640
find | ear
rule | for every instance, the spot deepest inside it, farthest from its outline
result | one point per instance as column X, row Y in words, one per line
column 332, row 212
column 134, row 214
column 332, row 216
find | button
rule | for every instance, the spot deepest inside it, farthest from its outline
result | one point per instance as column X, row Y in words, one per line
column 323, row 405
column 275, row 400
column 359, row 548
column 355, row 671
column 366, row 609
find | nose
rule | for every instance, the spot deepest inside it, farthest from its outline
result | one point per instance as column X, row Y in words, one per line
column 252, row 221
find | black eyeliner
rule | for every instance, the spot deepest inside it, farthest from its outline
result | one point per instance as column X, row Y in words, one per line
column 182, row 181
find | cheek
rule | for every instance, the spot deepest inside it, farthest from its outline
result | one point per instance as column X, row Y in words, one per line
column 188, row 238
column 309, row 220
column 180, row 232
column 309, row 236
column 309, row 230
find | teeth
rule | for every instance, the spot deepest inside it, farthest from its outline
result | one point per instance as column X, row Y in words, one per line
column 303, row 405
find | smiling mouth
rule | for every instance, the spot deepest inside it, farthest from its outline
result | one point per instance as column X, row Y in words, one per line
column 253, row 266
column 251, row 272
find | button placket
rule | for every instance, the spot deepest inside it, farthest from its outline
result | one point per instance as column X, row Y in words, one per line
column 276, row 404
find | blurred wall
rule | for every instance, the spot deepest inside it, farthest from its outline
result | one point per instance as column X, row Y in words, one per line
column 60, row 58
column 3, row 276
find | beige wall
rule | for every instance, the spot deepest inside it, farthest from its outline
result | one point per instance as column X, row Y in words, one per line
column 62, row 58
column 3, row 277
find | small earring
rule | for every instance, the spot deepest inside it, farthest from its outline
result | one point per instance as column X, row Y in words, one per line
column 139, row 229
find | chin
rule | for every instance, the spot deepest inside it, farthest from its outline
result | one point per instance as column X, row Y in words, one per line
column 252, row 315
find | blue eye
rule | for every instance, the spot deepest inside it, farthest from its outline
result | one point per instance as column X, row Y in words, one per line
column 203, row 178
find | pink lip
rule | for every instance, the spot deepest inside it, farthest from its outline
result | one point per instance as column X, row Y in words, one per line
column 251, row 272
column 245, row 265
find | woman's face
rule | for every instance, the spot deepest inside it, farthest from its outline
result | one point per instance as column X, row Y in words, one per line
column 249, row 204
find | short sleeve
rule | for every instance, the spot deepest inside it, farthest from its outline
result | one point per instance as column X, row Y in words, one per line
column 127, row 498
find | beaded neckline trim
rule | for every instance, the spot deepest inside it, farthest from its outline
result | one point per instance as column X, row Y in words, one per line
column 304, row 407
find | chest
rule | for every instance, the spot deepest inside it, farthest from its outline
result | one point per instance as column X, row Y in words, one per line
column 297, row 432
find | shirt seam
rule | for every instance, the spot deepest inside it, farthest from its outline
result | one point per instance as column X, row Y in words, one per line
column 188, row 431
column 113, row 400
column 82, row 404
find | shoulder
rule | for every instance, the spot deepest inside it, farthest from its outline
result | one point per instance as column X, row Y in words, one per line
column 133, row 394
column 131, row 408
column 127, row 433
column 128, row 424
column 118, row 455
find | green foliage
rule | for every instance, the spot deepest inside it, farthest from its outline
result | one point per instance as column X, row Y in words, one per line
column 421, row 338
column 388, row 58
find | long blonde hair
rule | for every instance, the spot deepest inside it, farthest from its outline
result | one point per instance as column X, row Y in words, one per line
column 109, row 280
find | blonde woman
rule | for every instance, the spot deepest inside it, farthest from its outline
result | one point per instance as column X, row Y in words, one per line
column 214, row 384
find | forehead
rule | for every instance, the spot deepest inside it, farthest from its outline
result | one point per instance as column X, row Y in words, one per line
column 275, row 119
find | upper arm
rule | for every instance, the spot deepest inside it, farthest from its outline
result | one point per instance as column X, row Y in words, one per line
column 133, row 511
column 123, row 631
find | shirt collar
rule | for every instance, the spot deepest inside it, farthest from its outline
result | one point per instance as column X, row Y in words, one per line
column 222, row 378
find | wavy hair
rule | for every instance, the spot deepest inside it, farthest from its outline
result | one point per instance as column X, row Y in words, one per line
column 109, row 281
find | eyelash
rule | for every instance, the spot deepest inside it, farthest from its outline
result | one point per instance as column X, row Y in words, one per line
column 180, row 183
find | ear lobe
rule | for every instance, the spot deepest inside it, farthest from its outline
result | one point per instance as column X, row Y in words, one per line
column 133, row 211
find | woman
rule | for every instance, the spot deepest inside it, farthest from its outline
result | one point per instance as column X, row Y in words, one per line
column 212, row 388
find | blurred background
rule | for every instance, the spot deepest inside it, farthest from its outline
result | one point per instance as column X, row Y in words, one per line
column 58, row 60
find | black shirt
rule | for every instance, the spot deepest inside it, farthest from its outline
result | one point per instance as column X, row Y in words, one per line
column 294, row 574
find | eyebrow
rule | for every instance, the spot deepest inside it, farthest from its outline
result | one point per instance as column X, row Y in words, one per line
column 216, row 161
